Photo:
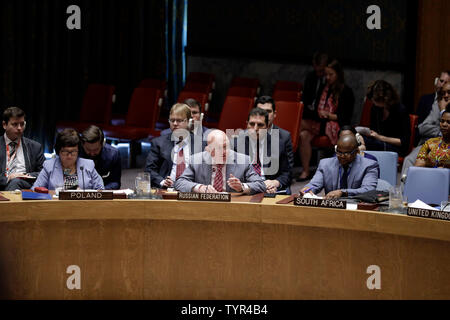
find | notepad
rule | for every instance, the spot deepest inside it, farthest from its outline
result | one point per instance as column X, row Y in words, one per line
column 26, row 195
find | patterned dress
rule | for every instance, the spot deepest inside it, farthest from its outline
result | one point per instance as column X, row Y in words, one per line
column 436, row 153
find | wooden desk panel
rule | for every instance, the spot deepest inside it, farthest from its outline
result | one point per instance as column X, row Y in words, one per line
column 132, row 249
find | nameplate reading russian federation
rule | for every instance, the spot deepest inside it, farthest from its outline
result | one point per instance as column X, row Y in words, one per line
column 85, row 195
column 430, row 214
column 321, row 203
column 191, row 196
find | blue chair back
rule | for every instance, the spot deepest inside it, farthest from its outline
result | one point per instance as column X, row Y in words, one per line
column 431, row 185
column 387, row 161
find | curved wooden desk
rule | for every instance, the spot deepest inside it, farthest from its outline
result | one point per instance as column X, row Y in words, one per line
column 132, row 249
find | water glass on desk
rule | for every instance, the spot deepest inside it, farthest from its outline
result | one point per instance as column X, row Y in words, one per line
column 396, row 200
column 142, row 183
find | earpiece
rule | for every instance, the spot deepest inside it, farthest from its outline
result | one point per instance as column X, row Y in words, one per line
column 201, row 116
column 436, row 80
column 335, row 148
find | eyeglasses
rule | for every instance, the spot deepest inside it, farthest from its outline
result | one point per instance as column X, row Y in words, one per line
column 66, row 153
column 259, row 124
column 177, row 121
column 16, row 124
column 346, row 154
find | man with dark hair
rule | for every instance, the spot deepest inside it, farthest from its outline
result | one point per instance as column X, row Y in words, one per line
column 269, row 160
column 21, row 159
column 106, row 158
column 268, row 104
column 426, row 101
column 347, row 174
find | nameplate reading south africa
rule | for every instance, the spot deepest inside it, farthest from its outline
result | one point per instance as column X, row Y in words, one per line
column 85, row 195
column 191, row 196
column 321, row 203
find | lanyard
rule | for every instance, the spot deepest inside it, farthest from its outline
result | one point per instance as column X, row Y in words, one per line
column 439, row 158
column 10, row 156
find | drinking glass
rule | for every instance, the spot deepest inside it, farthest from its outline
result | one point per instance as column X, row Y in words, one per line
column 142, row 183
column 395, row 200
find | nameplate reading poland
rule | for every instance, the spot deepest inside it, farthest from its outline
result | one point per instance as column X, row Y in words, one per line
column 85, row 195
column 321, row 203
column 191, row 196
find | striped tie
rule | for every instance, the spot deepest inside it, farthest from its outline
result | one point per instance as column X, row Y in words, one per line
column 180, row 164
column 218, row 179
column 257, row 164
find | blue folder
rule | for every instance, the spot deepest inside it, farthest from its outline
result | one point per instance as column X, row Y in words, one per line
column 26, row 195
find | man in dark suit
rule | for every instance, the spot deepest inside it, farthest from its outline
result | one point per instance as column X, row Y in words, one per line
column 313, row 86
column 267, row 155
column 219, row 169
column 285, row 142
column 427, row 100
column 170, row 154
column 21, row 159
column 346, row 174
column 106, row 158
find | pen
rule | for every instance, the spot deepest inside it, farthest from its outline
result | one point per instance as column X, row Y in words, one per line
column 307, row 190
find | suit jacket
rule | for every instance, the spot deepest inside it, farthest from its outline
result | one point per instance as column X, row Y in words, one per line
column 33, row 154
column 200, row 172
column 279, row 161
column 424, row 107
column 108, row 166
column 51, row 176
column 286, row 144
column 362, row 177
column 159, row 160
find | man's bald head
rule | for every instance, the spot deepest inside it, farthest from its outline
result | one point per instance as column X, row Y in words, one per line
column 347, row 140
column 218, row 145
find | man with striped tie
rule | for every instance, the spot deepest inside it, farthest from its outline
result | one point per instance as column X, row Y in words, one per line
column 21, row 159
column 220, row 169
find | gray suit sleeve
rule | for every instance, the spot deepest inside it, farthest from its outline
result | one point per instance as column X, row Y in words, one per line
column 369, row 182
column 254, row 181
column 429, row 128
column 185, row 182
column 316, row 184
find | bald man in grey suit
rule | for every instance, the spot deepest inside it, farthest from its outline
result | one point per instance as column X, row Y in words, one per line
column 220, row 169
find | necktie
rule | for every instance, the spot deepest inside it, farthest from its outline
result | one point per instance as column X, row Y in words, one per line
column 257, row 164
column 344, row 178
column 218, row 179
column 180, row 163
column 12, row 148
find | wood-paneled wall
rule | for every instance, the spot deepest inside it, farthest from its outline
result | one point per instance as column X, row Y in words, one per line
column 433, row 44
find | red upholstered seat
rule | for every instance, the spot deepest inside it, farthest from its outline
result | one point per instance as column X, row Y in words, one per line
column 96, row 108
column 287, row 86
column 289, row 117
column 242, row 92
column 321, row 142
column 235, row 112
column 286, row 95
column 202, row 98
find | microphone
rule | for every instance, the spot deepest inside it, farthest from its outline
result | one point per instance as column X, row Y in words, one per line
column 82, row 175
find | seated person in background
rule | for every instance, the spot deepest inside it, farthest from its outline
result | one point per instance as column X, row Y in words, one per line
column 170, row 154
column 346, row 130
column 285, row 141
column 220, row 169
column 426, row 101
column 430, row 128
column 106, row 158
column 335, row 109
column 314, row 83
column 435, row 152
column 67, row 170
column 389, row 120
column 347, row 174
column 21, row 159
column 274, row 169
column 197, row 117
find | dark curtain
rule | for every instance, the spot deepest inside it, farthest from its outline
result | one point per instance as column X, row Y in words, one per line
column 175, row 21
column 45, row 67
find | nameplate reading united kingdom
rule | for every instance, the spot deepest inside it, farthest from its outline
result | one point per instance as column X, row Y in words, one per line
column 191, row 196
column 85, row 195
column 429, row 214
column 321, row 203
